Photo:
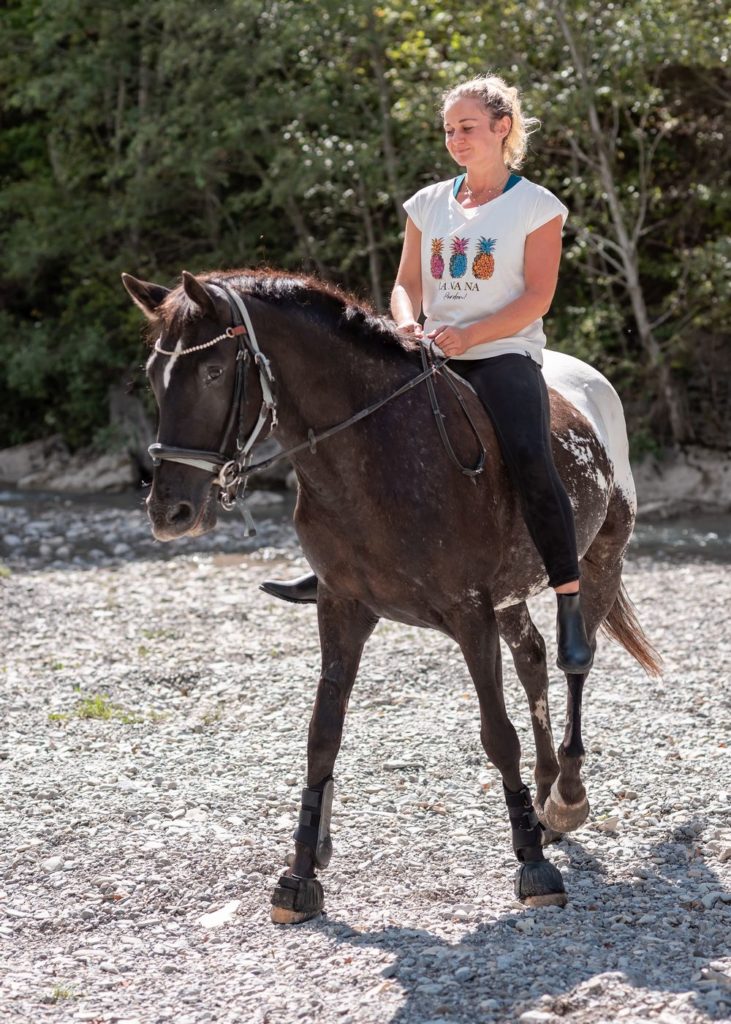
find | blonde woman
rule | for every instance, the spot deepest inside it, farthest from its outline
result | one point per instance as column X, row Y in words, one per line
column 480, row 260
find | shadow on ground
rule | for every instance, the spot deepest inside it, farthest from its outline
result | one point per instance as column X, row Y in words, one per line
column 569, row 960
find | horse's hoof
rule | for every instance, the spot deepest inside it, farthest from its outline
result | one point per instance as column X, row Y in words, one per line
column 548, row 835
column 539, row 884
column 296, row 899
column 563, row 817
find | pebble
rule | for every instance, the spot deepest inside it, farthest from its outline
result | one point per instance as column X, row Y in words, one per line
column 174, row 825
column 220, row 917
column 52, row 864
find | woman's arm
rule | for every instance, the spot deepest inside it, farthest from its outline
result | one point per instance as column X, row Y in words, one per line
column 540, row 270
column 406, row 294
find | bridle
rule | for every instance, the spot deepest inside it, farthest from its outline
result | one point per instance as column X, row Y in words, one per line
column 231, row 473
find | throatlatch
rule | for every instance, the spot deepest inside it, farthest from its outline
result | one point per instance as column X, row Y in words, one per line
column 527, row 829
column 313, row 829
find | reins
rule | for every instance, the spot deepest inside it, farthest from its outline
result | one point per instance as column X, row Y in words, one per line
column 231, row 474
column 428, row 373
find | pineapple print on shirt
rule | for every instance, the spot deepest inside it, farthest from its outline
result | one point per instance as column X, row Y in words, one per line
column 437, row 260
column 483, row 265
column 458, row 259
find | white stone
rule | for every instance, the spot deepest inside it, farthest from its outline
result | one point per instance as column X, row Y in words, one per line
column 217, row 918
column 52, row 864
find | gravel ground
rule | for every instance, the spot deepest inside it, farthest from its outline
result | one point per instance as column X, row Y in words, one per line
column 155, row 714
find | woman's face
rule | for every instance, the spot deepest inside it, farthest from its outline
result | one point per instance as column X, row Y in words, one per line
column 470, row 135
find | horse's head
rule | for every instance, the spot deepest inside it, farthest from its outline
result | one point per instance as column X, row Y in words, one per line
column 195, row 389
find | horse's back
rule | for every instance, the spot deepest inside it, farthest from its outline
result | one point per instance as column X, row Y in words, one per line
column 591, row 393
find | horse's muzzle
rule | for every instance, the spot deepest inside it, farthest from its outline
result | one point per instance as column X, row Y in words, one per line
column 173, row 519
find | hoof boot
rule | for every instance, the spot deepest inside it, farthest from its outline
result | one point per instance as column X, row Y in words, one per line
column 539, row 884
column 563, row 817
column 296, row 899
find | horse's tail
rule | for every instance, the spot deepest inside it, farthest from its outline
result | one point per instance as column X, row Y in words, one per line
column 621, row 625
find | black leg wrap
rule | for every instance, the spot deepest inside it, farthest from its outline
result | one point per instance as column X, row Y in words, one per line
column 313, row 829
column 301, row 895
column 527, row 829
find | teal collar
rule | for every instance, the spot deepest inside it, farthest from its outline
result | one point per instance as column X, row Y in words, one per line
column 459, row 181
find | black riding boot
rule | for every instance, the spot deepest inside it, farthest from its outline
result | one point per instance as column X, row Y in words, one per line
column 303, row 590
column 575, row 655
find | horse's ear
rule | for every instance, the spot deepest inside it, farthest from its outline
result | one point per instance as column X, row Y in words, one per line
column 146, row 295
column 199, row 294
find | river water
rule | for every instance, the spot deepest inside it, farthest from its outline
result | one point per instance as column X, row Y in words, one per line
column 40, row 529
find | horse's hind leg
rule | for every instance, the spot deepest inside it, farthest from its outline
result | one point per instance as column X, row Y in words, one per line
column 344, row 628
column 538, row 882
column 567, row 806
column 529, row 657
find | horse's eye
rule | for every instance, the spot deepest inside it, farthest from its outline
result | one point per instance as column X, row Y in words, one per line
column 213, row 373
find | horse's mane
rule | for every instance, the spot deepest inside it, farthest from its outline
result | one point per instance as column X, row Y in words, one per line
column 340, row 311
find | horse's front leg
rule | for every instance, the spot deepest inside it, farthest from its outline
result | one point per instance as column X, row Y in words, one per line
column 344, row 628
column 538, row 882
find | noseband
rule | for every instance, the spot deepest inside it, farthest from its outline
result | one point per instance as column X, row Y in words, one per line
column 230, row 472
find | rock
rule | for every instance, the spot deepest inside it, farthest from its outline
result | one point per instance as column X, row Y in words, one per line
column 196, row 814
column 52, row 864
column 131, row 423
column 24, row 459
column 536, row 1017
column 712, row 898
column 277, row 474
column 84, row 473
column 607, row 825
column 263, row 499
column 217, row 918
column 718, row 978
column 678, row 482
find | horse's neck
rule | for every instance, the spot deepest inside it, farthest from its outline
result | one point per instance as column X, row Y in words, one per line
column 322, row 379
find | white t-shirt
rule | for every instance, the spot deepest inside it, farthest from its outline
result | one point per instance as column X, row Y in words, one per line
column 472, row 260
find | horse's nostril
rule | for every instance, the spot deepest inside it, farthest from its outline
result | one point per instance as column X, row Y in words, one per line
column 180, row 514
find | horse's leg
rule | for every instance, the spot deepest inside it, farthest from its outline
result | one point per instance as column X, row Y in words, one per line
column 538, row 882
column 344, row 628
column 567, row 806
column 529, row 657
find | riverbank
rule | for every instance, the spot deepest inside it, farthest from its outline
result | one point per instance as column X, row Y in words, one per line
column 54, row 531
column 155, row 717
column 678, row 482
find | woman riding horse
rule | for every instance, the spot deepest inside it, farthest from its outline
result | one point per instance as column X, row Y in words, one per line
column 480, row 257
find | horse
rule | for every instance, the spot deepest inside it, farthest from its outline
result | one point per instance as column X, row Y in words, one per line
column 392, row 527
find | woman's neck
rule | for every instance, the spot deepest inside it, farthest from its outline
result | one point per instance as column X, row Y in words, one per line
column 484, row 176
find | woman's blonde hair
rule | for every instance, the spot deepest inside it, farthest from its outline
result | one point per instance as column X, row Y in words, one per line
column 500, row 100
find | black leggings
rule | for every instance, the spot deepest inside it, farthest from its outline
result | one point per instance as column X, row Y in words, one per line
column 515, row 395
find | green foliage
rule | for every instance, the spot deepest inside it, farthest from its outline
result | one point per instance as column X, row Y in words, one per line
column 154, row 136
column 99, row 708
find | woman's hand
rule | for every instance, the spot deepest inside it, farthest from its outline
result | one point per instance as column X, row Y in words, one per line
column 453, row 341
column 411, row 327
